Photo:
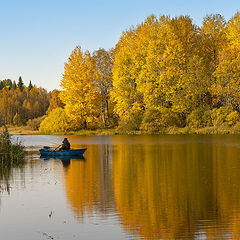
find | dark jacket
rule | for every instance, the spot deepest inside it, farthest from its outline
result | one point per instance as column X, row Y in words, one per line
column 65, row 145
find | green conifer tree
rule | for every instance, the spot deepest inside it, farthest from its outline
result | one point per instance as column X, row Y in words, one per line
column 14, row 85
column 30, row 86
column 20, row 84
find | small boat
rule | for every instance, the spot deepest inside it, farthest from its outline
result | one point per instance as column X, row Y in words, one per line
column 48, row 151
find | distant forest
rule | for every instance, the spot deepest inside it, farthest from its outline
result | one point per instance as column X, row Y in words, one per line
column 163, row 73
column 20, row 103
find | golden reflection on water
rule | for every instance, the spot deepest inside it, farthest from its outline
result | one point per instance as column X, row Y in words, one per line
column 172, row 190
column 88, row 183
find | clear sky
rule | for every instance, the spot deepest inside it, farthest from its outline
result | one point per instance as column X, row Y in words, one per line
column 37, row 36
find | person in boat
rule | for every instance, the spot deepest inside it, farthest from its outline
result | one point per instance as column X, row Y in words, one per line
column 65, row 145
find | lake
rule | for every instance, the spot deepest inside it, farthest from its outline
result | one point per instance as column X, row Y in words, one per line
column 126, row 187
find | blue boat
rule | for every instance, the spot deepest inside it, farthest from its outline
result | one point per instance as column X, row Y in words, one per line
column 48, row 151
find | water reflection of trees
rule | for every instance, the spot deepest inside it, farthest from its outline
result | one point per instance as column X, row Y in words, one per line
column 169, row 191
column 89, row 183
column 178, row 191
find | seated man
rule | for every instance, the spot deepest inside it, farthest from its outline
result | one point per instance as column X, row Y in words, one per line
column 65, row 145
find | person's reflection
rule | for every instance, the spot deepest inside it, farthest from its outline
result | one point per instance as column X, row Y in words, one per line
column 66, row 163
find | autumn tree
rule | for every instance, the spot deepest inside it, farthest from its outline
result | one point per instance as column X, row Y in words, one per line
column 213, row 39
column 128, row 101
column 177, row 65
column 80, row 91
column 55, row 101
column 156, row 70
column 227, row 73
column 104, row 62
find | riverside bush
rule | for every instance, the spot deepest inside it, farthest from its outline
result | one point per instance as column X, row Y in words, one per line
column 12, row 153
column 56, row 121
column 158, row 119
column 34, row 124
column 219, row 115
column 195, row 118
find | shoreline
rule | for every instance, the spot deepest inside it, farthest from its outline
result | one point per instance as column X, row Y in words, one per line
column 221, row 130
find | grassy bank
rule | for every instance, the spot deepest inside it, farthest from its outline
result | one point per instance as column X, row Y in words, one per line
column 22, row 129
column 222, row 129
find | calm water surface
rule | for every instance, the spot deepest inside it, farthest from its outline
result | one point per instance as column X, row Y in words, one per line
column 127, row 187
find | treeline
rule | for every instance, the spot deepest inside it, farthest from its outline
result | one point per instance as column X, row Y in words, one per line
column 20, row 103
column 164, row 72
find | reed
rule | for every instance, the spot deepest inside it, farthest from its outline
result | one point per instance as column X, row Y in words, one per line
column 10, row 153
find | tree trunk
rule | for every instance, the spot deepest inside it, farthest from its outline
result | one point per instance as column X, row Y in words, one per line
column 103, row 114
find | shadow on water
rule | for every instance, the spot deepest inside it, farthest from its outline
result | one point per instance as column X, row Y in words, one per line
column 66, row 160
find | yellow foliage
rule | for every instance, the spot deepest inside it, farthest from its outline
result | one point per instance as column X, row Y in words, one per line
column 233, row 31
column 56, row 121
column 165, row 72
column 55, row 101
column 159, row 118
column 157, row 65
column 232, row 118
column 227, row 86
column 81, row 96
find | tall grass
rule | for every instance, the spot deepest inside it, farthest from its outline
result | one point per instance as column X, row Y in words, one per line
column 11, row 154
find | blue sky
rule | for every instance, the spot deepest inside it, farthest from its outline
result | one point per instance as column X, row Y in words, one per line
column 38, row 36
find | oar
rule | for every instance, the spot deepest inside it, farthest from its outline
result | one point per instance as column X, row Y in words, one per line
column 54, row 150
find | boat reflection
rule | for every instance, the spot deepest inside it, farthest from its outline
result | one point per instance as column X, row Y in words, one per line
column 66, row 160
column 63, row 158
